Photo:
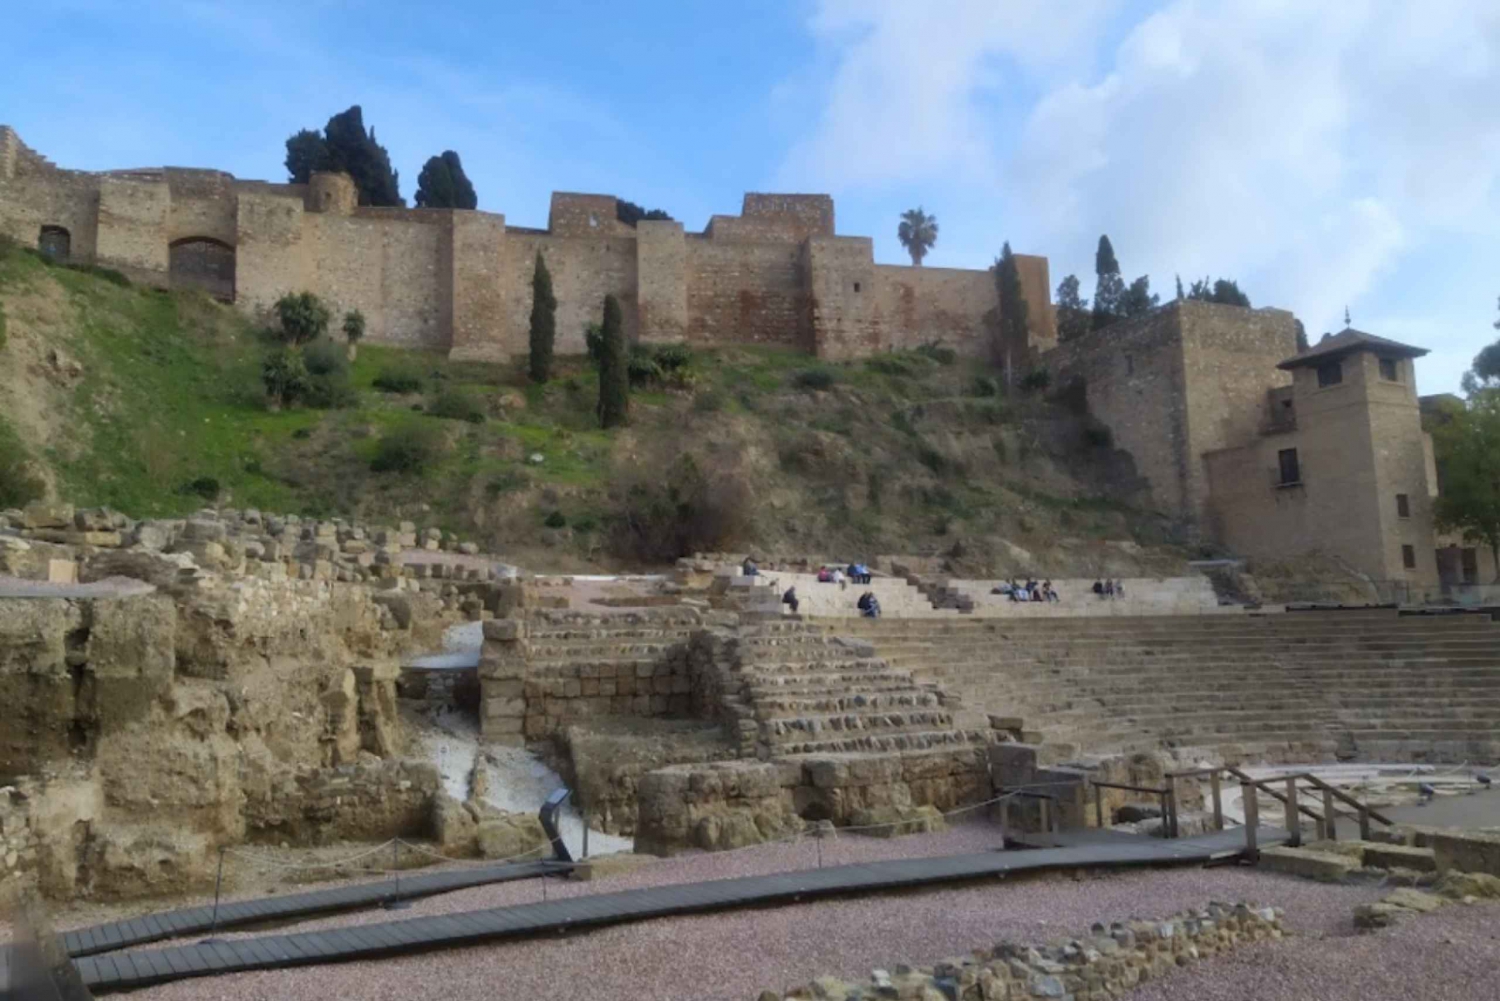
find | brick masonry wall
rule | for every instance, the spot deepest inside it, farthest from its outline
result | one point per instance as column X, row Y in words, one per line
column 808, row 215
column 29, row 202
column 474, row 265
column 133, row 224
column 387, row 269
column 583, row 272
column 203, row 204
column 270, row 259
column 745, row 293
column 661, row 269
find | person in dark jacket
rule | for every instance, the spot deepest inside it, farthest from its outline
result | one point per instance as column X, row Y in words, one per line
column 790, row 598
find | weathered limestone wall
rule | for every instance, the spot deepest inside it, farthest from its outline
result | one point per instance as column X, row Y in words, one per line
column 540, row 674
column 730, row 804
column 72, row 670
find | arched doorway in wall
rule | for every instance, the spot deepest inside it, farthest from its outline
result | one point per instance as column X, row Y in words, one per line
column 56, row 242
column 202, row 262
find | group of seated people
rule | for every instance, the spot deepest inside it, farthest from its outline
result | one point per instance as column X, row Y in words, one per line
column 1107, row 588
column 868, row 604
column 857, row 573
column 1029, row 591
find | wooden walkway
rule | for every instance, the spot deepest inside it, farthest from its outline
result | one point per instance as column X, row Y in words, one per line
column 234, row 913
column 123, row 970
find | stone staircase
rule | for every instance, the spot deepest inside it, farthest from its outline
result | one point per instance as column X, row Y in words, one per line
column 1370, row 685
column 810, row 692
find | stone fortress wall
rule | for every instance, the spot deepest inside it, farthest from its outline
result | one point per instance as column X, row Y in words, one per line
column 460, row 281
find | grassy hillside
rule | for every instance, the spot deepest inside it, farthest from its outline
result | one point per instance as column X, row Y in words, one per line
column 152, row 403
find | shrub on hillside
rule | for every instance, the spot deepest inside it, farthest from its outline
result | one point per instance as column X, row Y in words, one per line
column 303, row 317
column 328, row 385
column 285, row 377
column 691, row 508
column 938, row 353
column 985, row 386
column 456, row 405
column 19, row 483
column 206, row 487
column 898, row 365
column 398, row 380
column 816, row 379
column 556, row 519
column 407, row 449
column 642, row 366
column 1036, row 380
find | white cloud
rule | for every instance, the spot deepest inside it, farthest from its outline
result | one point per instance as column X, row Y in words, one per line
column 1305, row 148
column 909, row 93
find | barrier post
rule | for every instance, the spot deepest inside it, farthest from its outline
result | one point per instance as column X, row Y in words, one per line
column 1218, row 800
column 1099, row 806
column 1252, row 819
column 1330, row 825
column 395, row 903
column 213, row 926
column 1293, row 817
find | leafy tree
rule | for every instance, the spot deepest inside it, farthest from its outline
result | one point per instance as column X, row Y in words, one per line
column 614, row 374
column 630, row 213
column 345, row 145
column 442, row 184
column 305, row 153
column 543, row 321
column 1072, row 310
column 303, row 317
column 1138, row 298
column 918, row 232
column 1224, row 291
column 1485, row 374
column 1013, row 325
column 1468, row 458
column 1302, row 344
column 1109, row 289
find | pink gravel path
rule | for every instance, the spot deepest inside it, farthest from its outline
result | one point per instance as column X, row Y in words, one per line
column 734, row 955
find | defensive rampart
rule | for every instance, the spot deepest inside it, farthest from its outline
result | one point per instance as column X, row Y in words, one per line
column 460, row 281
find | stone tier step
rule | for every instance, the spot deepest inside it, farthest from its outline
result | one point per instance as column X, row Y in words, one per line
column 883, row 742
column 767, row 708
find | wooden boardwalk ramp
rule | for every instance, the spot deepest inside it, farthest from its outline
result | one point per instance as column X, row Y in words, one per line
column 112, row 971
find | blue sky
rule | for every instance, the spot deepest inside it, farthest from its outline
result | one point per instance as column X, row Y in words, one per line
column 1323, row 152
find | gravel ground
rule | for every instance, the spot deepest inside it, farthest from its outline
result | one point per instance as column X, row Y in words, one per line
column 734, row 955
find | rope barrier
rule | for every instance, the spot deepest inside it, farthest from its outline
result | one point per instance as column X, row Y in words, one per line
column 423, row 850
column 272, row 863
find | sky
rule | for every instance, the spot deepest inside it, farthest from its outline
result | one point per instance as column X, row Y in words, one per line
column 1327, row 154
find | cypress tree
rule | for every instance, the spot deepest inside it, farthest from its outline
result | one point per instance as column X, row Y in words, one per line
column 543, row 321
column 444, row 185
column 1013, row 313
column 1110, row 287
column 614, row 375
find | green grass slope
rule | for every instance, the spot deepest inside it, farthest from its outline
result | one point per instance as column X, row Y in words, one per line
column 149, row 401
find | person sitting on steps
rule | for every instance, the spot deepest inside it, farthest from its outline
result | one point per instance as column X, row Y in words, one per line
column 824, row 577
column 1098, row 588
column 749, row 569
column 1048, row 593
column 869, row 605
column 790, row 598
column 1119, row 588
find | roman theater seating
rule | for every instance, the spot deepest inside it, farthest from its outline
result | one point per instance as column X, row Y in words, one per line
column 1371, row 685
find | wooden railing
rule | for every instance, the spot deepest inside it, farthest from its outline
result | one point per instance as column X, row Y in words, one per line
column 1282, row 788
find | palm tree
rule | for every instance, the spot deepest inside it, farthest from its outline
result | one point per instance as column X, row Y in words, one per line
column 917, row 233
